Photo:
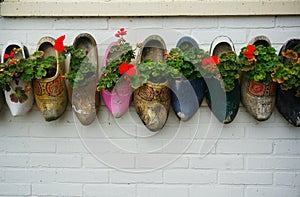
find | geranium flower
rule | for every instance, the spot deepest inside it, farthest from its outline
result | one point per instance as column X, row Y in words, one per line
column 205, row 61
column 12, row 54
column 6, row 56
column 131, row 70
column 123, row 68
column 121, row 32
column 59, row 45
column 249, row 52
column 214, row 60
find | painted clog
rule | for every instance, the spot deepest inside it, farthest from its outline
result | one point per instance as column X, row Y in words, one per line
column 224, row 105
column 287, row 103
column 50, row 92
column 118, row 100
column 84, row 97
column 187, row 95
column 20, row 96
column 258, row 98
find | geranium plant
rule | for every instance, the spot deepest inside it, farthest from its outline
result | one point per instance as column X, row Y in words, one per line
column 185, row 61
column 28, row 69
column 150, row 71
column 119, row 66
column 224, row 69
column 258, row 62
column 287, row 75
column 80, row 67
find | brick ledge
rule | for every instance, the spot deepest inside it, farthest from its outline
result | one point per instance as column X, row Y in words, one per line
column 90, row 8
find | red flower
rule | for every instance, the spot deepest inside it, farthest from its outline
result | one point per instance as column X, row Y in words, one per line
column 123, row 68
column 62, row 77
column 6, row 56
column 131, row 70
column 122, row 32
column 214, row 60
column 117, row 34
column 251, row 48
column 12, row 54
column 59, row 45
column 205, row 61
column 249, row 51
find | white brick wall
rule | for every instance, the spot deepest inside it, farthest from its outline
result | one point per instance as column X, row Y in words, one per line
column 243, row 159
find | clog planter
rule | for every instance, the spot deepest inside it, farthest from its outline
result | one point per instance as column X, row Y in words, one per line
column 258, row 96
column 187, row 91
column 82, row 93
column 50, row 92
column 20, row 96
column 119, row 98
column 152, row 99
column 223, row 93
column 288, row 99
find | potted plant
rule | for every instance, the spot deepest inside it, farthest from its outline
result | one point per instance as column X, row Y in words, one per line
column 81, row 76
column 50, row 90
column 257, row 88
column 287, row 76
column 188, row 89
column 17, row 73
column 151, row 92
column 113, row 84
column 221, row 75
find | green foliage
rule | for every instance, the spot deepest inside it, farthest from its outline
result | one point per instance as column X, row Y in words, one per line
column 228, row 69
column 287, row 75
column 155, row 72
column 185, row 61
column 80, row 67
column 110, row 73
column 262, row 63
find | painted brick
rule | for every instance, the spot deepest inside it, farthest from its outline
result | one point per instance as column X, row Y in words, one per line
column 271, row 132
column 80, row 23
column 81, row 176
column 281, row 35
column 158, row 161
column 252, row 22
column 287, row 178
column 247, row 178
column 271, row 192
column 190, row 176
column 15, row 189
column 216, row 191
column 58, row 161
column 220, row 132
column 217, row 162
column 109, row 190
column 287, row 147
column 287, row 21
column 190, row 146
column 191, row 23
column 244, row 146
column 273, row 163
column 14, row 160
column 31, row 145
column 57, row 189
column 135, row 23
column 29, row 175
column 207, row 36
column 127, row 177
column 116, row 161
column 162, row 190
